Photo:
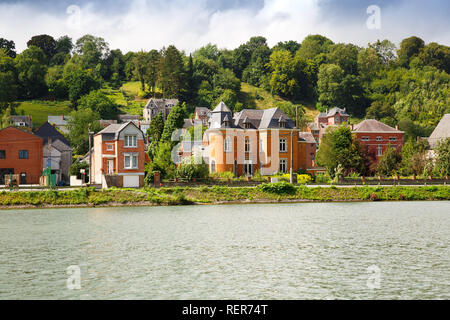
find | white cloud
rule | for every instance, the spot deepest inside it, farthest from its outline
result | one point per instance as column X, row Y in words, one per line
column 191, row 24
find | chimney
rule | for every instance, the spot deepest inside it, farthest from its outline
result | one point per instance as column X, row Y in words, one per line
column 396, row 127
column 62, row 116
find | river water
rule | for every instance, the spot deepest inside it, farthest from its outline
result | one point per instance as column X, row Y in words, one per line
column 381, row 250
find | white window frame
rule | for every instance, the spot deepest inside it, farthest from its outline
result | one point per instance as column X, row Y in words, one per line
column 283, row 160
column 282, row 142
column 133, row 138
column 365, row 139
column 379, row 150
column 247, row 145
column 213, row 167
column 110, row 147
column 227, row 145
column 394, row 139
column 379, row 138
column 132, row 165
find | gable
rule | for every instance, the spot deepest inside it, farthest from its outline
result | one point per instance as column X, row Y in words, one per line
column 12, row 134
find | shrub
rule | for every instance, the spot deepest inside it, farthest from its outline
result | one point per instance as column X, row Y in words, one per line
column 304, row 178
column 279, row 188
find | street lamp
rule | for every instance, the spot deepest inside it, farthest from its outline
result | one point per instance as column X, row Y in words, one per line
column 90, row 155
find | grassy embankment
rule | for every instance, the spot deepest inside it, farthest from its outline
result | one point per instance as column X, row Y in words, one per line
column 280, row 192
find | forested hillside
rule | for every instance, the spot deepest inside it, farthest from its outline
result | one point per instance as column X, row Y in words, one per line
column 408, row 85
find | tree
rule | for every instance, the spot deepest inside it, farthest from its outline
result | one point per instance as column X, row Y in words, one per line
column 6, row 118
column 171, row 72
column 339, row 150
column 225, row 79
column 385, row 50
column 390, row 162
column 414, row 157
column 78, row 124
column 162, row 161
column 31, row 69
column 8, row 79
column 257, row 67
column 329, row 82
column 409, row 49
column 80, row 83
column 369, row 63
column 189, row 169
column 345, row 56
column 313, row 45
column 140, row 61
column 156, row 127
column 151, row 76
column 99, row 103
column 92, row 50
column 443, row 157
column 210, row 51
column 64, row 45
column 56, row 84
column 435, row 55
column 9, row 46
column 175, row 120
column 291, row 46
column 46, row 43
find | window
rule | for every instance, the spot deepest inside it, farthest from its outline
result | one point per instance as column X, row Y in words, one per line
column 109, row 147
column 392, row 139
column 283, row 165
column 213, row 166
column 248, row 168
column 313, row 156
column 130, row 141
column 379, row 138
column 247, row 126
column 365, row 139
column 131, row 161
column 283, row 145
column 247, row 145
column 227, row 144
column 282, row 124
column 379, row 150
column 23, row 154
column 2, row 154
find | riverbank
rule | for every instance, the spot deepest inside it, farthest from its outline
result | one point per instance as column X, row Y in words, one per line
column 267, row 193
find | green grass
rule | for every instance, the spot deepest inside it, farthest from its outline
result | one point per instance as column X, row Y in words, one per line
column 40, row 110
column 259, row 98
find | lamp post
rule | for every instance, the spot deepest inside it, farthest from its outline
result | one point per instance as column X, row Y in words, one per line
column 90, row 155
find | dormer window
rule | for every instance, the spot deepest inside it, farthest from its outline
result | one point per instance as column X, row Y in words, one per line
column 282, row 122
column 247, row 126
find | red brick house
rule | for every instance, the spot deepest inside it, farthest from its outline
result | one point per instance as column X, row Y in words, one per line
column 377, row 136
column 20, row 153
column 119, row 150
column 331, row 117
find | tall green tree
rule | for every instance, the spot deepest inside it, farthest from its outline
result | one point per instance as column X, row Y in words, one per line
column 156, row 127
column 340, row 149
column 443, row 157
column 175, row 120
column 9, row 46
column 314, row 45
column 99, row 103
column 171, row 72
column 78, row 124
column 151, row 76
column 80, row 83
column 92, row 50
column 409, row 49
column 345, row 56
column 46, row 43
column 389, row 163
column 8, row 79
column 6, row 118
column 31, row 69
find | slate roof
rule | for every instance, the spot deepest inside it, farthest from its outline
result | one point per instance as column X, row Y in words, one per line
column 307, row 137
column 160, row 103
column 112, row 131
column 58, row 120
column 48, row 131
column 332, row 112
column 221, row 107
column 59, row 145
column 371, row 125
column 441, row 132
column 313, row 126
column 202, row 111
column 26, row 119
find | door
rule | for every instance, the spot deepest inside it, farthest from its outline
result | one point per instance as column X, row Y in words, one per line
column 110, row 167
column 23, row 178
column 131, row 181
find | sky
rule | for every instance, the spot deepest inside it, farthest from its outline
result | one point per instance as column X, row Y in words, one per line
column 133, row 25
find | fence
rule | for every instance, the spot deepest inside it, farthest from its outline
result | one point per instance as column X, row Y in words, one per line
column 397, row 181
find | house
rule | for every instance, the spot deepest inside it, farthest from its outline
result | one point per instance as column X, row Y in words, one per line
column 202, row 114
column 20, row 153
column 59, row 122
column 22, row 122
column 265, row 140
column 155, row 106
column 332, row 117
column 119, row 150
column 376, row 136
column 441, row 132
column 57, row 153
column 124, row 118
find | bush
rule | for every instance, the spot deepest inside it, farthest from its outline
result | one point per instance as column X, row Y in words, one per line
column 189, row 169
column 304, row 178
column 222, row 175
column 279, row 188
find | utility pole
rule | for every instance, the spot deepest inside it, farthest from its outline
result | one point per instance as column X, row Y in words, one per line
column 292, row 157
column 90, row 133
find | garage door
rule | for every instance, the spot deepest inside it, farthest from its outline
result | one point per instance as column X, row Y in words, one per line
column 131, row 181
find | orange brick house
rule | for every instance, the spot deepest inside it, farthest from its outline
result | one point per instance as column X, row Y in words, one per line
column 376, row 136
column 20, row 153
column 265, row 140
column 119, row 150
column 331, row 117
